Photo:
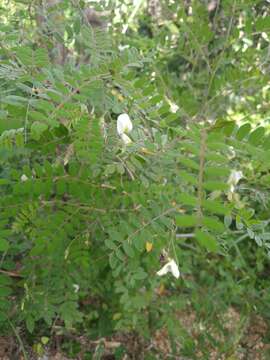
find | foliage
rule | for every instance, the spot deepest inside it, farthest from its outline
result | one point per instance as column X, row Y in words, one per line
column 86, row 218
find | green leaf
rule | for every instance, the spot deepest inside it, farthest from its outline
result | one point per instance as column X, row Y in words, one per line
column 147, row 90
column 41, row 104
column 140, row 274
column 113, row 261
column 189, row 178
column 228, row 220
column 4, row 245
column 229, row 128
column 186, row 220
column 168, row 119
column 25, row 55
column 116, row 236
column 37, row 129
column 14, row 100
column 266, row 143
column 243, row 131
column 213, row 224
column 4, row 182
column 215, row 207
column 110, row 169
column 61, row 187
column 207, row 241
column 41, row 57
column 216, row 171
column 45, row 340
column 30, row 323
column 187, row 199
column 5, row 280
column 120, row 255
column 128, row 249
column 155, row 99
column 214, row 156
column 257, row 136
column 5, row 291
column 110, row 244
column 189, row 163
column 215, row 186
column 139, row 241
column 217, row 146
column 191, row 148
column 262, row 24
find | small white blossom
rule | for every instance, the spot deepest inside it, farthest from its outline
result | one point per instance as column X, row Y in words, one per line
column 231, row 153
column 174, row 108
column 234, row 178
column 123, row 47
column 171, row 267
column 76, row 287
column 24, row 178
column 124, row 124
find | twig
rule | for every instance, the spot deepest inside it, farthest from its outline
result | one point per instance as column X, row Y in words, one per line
column 12, row 274
column 132, row 15
column 150, row 222
column 201, row 171
column 179, row 236
column 19, row 339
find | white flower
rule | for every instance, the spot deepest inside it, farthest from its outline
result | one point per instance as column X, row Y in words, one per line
column 234, row 178
column 171, row 267
column 76, row 287
column 24, row 178
column 231, row 153
column 174, row 108
column 123, row 47
column 126, row 139
column 124, row 124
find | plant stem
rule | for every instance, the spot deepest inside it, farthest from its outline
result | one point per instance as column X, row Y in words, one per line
column 19, row 339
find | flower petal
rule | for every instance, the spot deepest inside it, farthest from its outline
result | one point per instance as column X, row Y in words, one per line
column 171, row 267
column 235, row 177
column 164, row 270
column 126, row 139
column 24, row 178
column 124, row 124
column 174, row 269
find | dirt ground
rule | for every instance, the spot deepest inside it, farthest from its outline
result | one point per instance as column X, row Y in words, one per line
column 249, row 343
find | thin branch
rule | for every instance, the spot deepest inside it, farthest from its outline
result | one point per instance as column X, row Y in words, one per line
column 150, row 222
column 10, row 273
column 201, row 170
column 183, row 236
column 19, row 339
column 132, row 15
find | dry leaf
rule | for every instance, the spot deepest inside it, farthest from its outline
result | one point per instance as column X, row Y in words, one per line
column 148, row 246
